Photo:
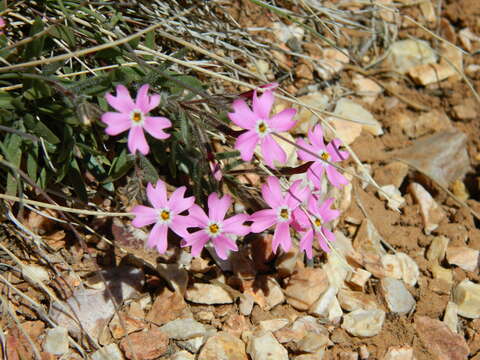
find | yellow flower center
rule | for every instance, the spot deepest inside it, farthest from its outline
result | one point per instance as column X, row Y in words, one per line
column 262, row 127
column 213, row 228
column 284, row 213
column 137, row 116
column 325, row 156
column 165, row 215
column 318, row 222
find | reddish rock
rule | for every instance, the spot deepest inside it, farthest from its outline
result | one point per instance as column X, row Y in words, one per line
column 167, row 306
column 305, row 287
column 147, row 345
column 439, row 340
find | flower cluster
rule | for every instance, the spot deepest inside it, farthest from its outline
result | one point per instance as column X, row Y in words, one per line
column 290, row 206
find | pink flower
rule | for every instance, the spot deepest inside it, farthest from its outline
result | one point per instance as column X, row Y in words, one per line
column 280, row 212
column 2, row 24
column 329, row 152
column 133, row 115
column 318, row 216
column 216, row 170
column 215, row 227
column 260, row 127
column 164, row 214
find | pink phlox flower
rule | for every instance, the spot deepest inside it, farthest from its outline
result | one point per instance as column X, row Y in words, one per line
column 261, row 126
column 215, row 227
column 319, row 214
column 164, row 214
column 280, row 213
column 328, row 152
column 133, row 115
column 216, row 170
column 2, row 24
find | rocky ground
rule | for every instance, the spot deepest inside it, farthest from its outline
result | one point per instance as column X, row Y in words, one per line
column 403, row 282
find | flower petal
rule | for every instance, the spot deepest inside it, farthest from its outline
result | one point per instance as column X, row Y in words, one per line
column 142, row 101
column 263, row 105
column 122, row 102
column 335, row 178
column 223, row 244
column 246, row 144
column 234, row 225
column 157, row 195
column 296, row 194
column 158, row 237
column 271, row 151
column 154, row 125
column 137, row 141
column 316, row 137
column 117, row 122
column 315, row 174
column 197, row 241
column 198, row 216
column 324, row 237
column 262, row 220
column 218, row 207
column 272, row 192
column 242, row 115
column 326, row 213
column 306, row 243
column 337, row 155
column 281, row 236
column 283, row 121
column 154, row 102
column 144, row 216
column 180, row 224
column 303, row 155
column 178, row 202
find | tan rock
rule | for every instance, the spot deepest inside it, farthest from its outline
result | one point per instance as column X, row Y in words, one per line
column 209, row 294
column 271, row 325
column 438, row 249
column 327, row 307
column 147, row 345
column 464, row 257
column 432, row 213
column 365, row 323
column 312, row 342
column 266, row 347
column 406, row 54
column 460, row 190
column 428, row 12
column 366, row 88
column 223, row 346
column 175, row 276
column 108, row 352
column 467, row 296
column 392, row 266
column 332, row 62
column 398, row 298
column 288, row 262
column 347, row 355
column 450, row 317
column 392, row 173
column 432, row 121
column 399, row 353
column 410, row 270
column 431, row 73
column 358, row 279
column 305, row 287
column 305, row 118
column 354, row 300
column 439, row 340
column 393, row 196
column 465, row 111
column 266, row 292
column 167, row 306
column 367, row 243
column 439, row 272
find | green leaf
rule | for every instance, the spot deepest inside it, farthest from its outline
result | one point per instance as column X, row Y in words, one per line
column 32, row 161
column 64, row 33
column 35, row 47
column 41, row 130
column 227, row 155
column 121, row 165
column 150, row 173
column 13, row 154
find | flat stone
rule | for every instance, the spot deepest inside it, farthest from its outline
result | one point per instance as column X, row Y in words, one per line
column 108, row 352
column 355, row 300
column 467, row 296
column 358, row 279
column 335, row 269
column 465, row 111
column 175, row 276
column 410, row 270
column 167, row 306
column 426, row 123
column 266, row 347
column 35, row 273
column 183, row 329
column 450, row 318
column 305, row 118
column 397, row 297
column 182, row 355
column 147, row 345
column 312, row 342
column 347, row 355
column 56, row 341
column 316, row 356
column 265, row 291
column 208, row 294
column 332, row 62
column 393, row 196
column 432, row 213
column 192, row 345
column 366, row 88
column 361, row 119
column 464, row 257
column 438, row 249
column 367, row 243
column 272, row 325
column 92, row 306
column 399, row 353
column 365, row 323
column 223, row 346
column 392, row 173
column 392, row 266
column 442, row 156
column 305, row 287
column 439, row 340
column 405, row 54
column 431, row 73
